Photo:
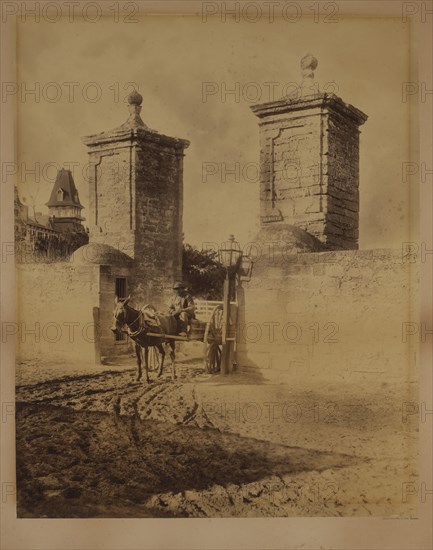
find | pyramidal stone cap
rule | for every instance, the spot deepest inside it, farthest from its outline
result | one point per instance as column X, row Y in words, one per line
column 134, row 100
column 308, row 96
column 134, row 128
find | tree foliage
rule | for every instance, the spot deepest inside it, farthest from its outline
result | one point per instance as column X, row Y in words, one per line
column 52, row 248
column 203, row 273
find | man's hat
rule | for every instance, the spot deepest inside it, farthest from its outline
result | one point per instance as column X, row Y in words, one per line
column 178, row 285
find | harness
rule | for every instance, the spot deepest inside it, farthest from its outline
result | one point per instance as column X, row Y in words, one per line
column 142, row 326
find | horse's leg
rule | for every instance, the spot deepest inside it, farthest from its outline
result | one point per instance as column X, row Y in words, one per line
column 161, row 350
column 173, row 358
column 138, row 354
column 146, row 363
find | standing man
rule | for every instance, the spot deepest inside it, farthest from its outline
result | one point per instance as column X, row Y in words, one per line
column 182, row 308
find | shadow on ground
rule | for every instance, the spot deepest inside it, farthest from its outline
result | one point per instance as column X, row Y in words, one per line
column 91, row 464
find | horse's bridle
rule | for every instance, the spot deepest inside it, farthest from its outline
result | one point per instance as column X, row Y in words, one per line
column 128, row 330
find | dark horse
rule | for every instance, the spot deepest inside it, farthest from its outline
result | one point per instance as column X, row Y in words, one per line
column 137, row 324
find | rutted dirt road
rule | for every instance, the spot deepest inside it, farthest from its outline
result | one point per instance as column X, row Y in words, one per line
column 103, row 445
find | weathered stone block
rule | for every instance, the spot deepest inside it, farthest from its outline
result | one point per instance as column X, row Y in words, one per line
column 316, row 155
column 141, row 180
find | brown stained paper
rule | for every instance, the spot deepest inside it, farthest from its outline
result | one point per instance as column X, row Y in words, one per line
column 216, row 255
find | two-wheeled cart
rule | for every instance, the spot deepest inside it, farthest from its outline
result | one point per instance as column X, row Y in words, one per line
column 206, row 328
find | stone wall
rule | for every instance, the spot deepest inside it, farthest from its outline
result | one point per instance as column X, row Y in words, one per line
column 65, row 311
column 111, row 214
column 158, row 214
column 55, row 312
column 332, row 314
column 136, row 201
column 309, row 167
column 290, row 166
column 110, row 347
column 341, row 180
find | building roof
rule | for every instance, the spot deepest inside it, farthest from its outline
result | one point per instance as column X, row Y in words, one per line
column 288, row 239
column 65, row 182
column 101, row 254
column 37, row 225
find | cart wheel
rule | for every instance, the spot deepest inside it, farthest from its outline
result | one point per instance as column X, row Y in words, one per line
column 154, row 359
column 213, row 341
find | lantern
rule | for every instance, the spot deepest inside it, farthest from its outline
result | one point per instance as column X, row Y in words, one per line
column 230, row 254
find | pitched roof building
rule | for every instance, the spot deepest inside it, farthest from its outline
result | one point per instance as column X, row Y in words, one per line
column 64, row 204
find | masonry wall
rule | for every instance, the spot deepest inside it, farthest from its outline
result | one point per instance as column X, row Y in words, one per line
column 158, row 210
column 341, row 181
column 136, row 202
column 290, row 170
column 309, row 167
column 109, row 347
column 55, row 312
column 111, row 215
column 337, row 315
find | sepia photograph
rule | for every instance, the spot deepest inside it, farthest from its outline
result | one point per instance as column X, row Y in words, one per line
column 216, row 266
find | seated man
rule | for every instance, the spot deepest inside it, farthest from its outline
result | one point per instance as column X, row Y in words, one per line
column 182, row 308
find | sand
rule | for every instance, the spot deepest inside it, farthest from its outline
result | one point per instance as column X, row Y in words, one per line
column 93, row 442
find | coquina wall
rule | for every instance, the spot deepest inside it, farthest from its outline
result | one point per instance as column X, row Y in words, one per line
column 65, row 312
column 342, row 314
column 55, row 311
column 136, row 201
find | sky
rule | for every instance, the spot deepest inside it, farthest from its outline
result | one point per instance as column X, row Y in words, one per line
column 172, row 60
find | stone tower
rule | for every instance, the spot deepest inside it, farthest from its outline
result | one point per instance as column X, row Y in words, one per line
column 309, row 165
column 136, row 201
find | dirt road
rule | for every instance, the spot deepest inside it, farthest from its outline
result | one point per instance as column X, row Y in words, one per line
column 102, row 445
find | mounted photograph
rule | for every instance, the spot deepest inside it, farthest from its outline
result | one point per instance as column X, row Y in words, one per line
column 218, row 267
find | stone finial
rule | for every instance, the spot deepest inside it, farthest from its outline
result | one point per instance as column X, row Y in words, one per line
column 308, row 66
column 135, row 100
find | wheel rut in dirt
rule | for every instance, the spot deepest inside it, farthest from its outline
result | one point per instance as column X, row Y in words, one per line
column 104, row 461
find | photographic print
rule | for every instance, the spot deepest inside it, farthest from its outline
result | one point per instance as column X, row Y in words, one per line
column 218, row 263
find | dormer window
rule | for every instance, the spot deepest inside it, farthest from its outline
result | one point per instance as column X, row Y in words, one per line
column 60, row 195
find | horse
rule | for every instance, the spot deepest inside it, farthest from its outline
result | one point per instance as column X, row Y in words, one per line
column 137, row 324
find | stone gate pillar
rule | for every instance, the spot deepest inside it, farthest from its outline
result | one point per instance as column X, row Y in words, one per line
column 309, row 163
column 136, row 201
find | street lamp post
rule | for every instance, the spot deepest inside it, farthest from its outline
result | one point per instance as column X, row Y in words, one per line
column 230, row 256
